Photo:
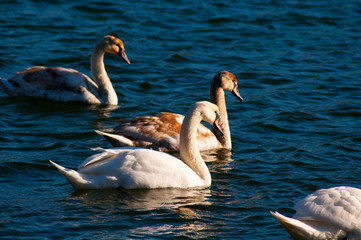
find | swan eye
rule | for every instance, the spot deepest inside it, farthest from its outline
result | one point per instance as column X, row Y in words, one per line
column 119, row 47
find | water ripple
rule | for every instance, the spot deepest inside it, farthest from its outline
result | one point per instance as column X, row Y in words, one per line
column 298, row 129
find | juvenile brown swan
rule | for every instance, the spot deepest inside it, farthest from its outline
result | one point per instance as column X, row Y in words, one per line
column 64, row 85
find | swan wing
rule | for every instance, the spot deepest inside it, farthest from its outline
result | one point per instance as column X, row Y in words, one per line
column 153, row 169
column 59, row 84
column 104, row 155
column 163, row 132
column 137, row 168
column 338, row 206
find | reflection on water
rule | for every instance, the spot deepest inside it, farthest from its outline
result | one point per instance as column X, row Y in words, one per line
column 219, row 155
column 193, row 230
column 103, row 110
column 143, row 199
column 296, row 64
column 181, row 205
column 185, row 210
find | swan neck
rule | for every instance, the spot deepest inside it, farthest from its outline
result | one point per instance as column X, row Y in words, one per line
column 100, row 76
column 217, row 97
column 189, row 148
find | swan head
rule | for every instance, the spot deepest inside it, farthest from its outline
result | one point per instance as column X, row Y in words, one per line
column 209, row 113
column 227, row 81
column 114, row 45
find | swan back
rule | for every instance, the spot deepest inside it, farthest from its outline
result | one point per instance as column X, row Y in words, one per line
column 132, row 168
column 160, row 132
column 333, row 213
column 338, row 206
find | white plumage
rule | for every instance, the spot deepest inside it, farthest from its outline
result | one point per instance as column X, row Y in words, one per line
column 143, row 168
column 131, row 168
column 333, row 213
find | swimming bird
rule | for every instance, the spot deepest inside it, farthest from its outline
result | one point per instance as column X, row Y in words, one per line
column 333, row 213
column 132, row 168
column 64, row 85
column 161, row 132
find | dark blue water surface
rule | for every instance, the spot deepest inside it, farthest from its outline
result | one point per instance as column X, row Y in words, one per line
column 298, row 66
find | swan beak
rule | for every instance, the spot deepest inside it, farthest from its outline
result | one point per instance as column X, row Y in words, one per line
column 236, row 93
column 216, row 125
column 124, row 56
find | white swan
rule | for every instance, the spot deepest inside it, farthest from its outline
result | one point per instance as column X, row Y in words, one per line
column 333, row 213
column 64, row 85
column 161, row 132
column 144, row 168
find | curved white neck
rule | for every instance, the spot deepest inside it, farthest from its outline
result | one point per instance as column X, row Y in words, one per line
column 100, row 76
column 217, row 97
column 189, row 147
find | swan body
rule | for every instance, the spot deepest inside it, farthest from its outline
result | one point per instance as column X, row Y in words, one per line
column 161, row 132
column 333, row 213
column 64, row 85
column 144, row 168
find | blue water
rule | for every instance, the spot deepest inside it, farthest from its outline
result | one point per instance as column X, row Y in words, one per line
column 298, row 67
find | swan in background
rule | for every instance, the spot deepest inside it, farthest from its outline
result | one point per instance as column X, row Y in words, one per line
column 333, row 213
column 64, row 85
column 161, row 132
column 131, row 168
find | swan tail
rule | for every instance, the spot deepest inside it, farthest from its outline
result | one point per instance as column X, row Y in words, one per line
column 311, row 229
column 116, row 140
column 6, row 86
column 295, row 228
column 73, row 177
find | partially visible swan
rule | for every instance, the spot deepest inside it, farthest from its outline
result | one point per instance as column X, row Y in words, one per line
column 333, row 213
column 131, row 168
column 161, row 132
column 64, row 85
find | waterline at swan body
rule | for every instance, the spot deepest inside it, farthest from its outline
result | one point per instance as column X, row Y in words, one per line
column 132, row 168
column 64, row 85
column 161, row 132
column 333, row 213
